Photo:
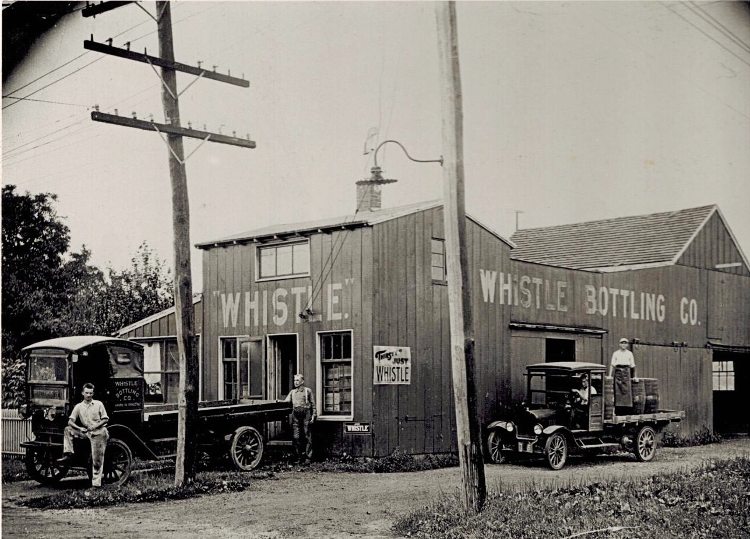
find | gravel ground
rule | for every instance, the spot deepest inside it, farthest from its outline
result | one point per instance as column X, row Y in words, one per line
column 314, row 504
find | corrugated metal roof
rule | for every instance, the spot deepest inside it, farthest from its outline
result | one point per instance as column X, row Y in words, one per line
column 610, row 244
column 358, row 219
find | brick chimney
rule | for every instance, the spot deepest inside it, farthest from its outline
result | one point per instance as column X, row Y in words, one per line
column 369, row 196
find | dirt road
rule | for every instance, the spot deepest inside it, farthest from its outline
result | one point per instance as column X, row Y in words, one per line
column 313, row 504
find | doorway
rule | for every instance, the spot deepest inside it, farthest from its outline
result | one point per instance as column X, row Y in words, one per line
column 730, row 382
column 282, row 364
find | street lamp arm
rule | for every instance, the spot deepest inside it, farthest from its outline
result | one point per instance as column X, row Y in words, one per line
column 407, row 154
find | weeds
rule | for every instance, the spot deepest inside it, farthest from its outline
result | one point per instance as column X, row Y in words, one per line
column 14, row 469
column 713, row 501
column 705, row 436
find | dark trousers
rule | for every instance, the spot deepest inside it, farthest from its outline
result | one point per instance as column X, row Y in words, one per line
column 301, row 432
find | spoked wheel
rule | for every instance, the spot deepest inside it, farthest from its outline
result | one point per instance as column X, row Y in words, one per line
column 43, row 467
column 556, row 451
column 246, row 448
column 495, row 447
column 118, row 463
column 645, row 444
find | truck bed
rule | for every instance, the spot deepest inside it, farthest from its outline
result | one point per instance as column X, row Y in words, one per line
column 230, row 408
column 660, row 416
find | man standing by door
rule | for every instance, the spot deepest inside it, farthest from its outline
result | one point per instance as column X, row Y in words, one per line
column 303, row 413
column 88, row 420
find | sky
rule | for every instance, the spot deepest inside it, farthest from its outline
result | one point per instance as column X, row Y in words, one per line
column 573, row 111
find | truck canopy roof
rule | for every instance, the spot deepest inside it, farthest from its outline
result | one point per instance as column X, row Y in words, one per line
column 567, row 366
column 79, row 342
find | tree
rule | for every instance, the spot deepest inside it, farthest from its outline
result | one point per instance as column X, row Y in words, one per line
column 34, row 242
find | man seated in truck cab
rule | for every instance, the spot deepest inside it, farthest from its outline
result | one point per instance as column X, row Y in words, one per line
column 580, row 396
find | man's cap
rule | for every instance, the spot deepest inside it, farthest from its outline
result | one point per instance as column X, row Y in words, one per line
column 298, row 376
column 624, row 340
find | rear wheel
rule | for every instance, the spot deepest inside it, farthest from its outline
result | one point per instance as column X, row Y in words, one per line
column 495, row 447
column 645, row 444
column 556, row 451
column 43, row 467
column 246, row 448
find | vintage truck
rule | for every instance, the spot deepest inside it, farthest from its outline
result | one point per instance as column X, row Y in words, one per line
column 56, row 370
column 563, row 415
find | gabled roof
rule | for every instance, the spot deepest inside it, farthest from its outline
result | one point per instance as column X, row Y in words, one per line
column 641, row 241
column 197, row 297
column 356, row 220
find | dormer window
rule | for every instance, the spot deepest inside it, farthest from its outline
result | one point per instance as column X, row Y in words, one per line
column 283, row 261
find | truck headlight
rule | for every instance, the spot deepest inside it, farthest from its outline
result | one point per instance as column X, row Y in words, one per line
column 509, row 427
column 538, row 429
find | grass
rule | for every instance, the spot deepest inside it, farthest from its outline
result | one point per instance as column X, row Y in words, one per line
column 713, row 501
column 148, row 487
column 14, row 469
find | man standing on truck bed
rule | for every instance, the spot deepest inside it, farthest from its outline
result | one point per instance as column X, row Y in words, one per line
column 303, row 413
column 88, row 420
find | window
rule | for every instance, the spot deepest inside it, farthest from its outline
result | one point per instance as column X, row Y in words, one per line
column 336, row 373
column 242, row 368
column 287, row 260
column 559, row 350
column 161, row 372
column 723, row 375
column 439, row 272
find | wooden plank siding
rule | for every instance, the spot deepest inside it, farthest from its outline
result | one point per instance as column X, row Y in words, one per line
column 728, row 299
column 412, row 310
column 714, row 245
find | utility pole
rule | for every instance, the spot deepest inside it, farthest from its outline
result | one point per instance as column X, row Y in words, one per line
column 459, row 292
column 187, row 404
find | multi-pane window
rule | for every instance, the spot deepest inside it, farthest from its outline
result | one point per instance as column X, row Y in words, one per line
column 439, row 272
column 242, row 367
column 723, row 375
column 161, row 372
column 336, row 373
column 287, row 260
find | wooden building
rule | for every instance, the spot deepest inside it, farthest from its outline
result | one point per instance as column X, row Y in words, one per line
column 676, row 284
column 358, row 304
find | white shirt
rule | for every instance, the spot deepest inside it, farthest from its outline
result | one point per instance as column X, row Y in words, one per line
column 623, row 358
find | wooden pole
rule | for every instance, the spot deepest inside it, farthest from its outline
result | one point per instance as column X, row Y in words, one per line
column 183, row 288
column 459, row 292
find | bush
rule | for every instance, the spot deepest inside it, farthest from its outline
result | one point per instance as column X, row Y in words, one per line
column 14, row 382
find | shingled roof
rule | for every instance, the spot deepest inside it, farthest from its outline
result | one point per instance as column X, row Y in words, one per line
column 612, row 244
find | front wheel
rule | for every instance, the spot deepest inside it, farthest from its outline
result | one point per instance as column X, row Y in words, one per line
column 43, row 467
column 556, row 451
column 246, row 448
column 495, row 447
column 645, row 444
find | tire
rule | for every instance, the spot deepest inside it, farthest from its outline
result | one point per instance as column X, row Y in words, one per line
column 246, row 448
column 556, row 451
column 118, row 463
column 42, row 466
column 644, row 445
column 495, row 453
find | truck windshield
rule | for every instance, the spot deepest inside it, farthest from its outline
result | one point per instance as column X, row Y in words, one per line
column 48, row 368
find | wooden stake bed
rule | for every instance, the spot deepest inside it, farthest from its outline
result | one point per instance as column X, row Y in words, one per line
column 660, row 416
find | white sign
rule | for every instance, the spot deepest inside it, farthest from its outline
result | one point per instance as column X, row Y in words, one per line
column 392, row 365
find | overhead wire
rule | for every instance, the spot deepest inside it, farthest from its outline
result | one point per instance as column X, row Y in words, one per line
column 709, row 36
column 706, row 16
column 6, row 152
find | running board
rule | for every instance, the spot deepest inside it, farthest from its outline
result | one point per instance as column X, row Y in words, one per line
column 599, row 446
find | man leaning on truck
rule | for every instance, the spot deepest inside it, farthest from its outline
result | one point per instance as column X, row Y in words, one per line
column 88, row 420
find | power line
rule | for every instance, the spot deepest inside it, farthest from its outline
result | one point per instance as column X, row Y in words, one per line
column 709, row 36
column 702, row 13
column 45, row 101
column 47, row 73
column 53, row 82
